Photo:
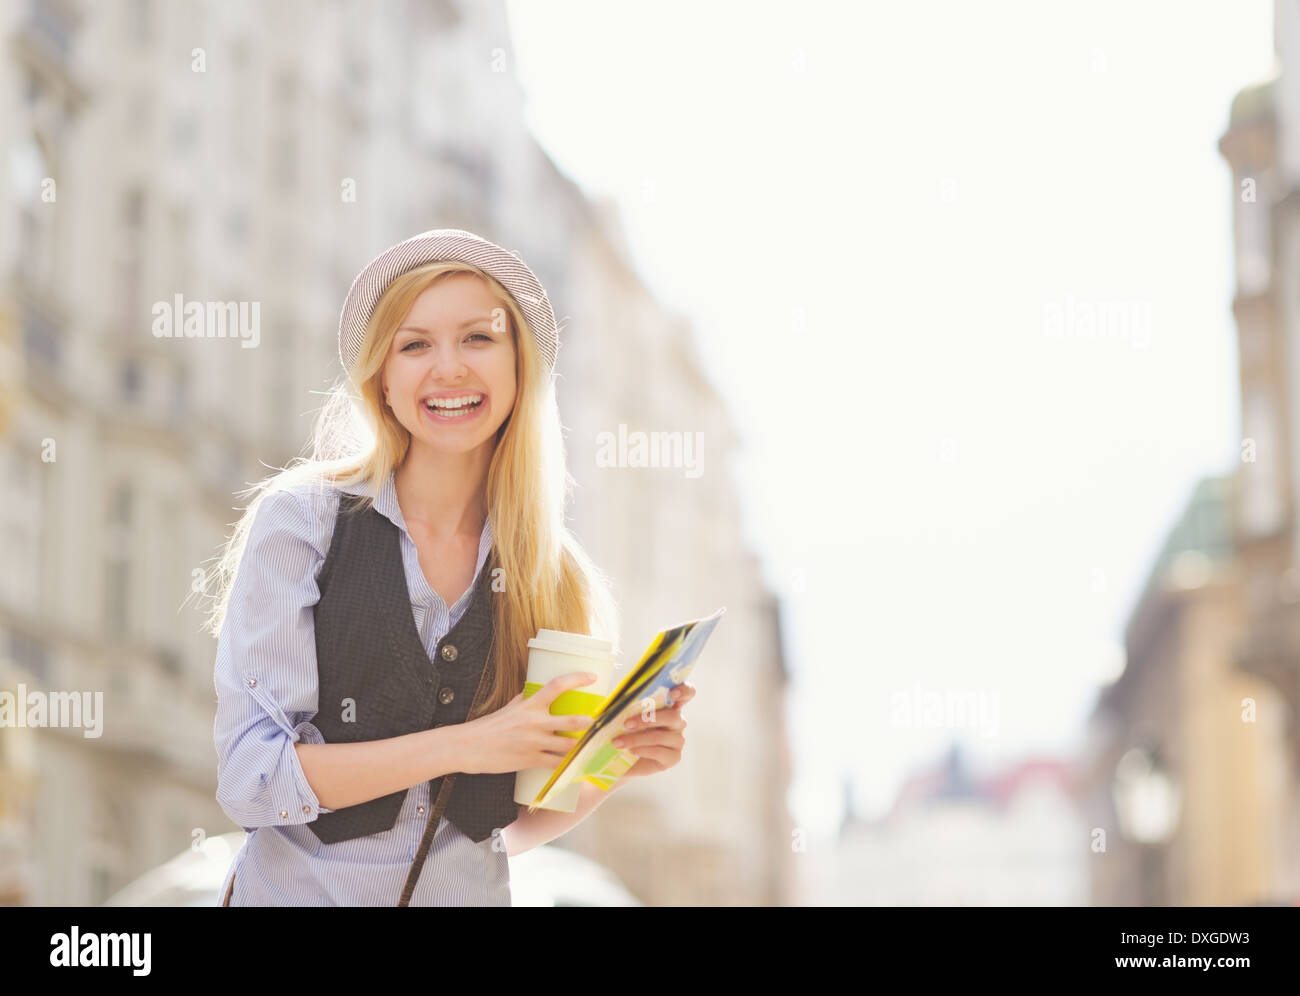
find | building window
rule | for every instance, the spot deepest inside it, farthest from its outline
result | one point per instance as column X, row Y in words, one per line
column 133, row 209
column 131, row 260
column 180, row 390
column 284, row 148
column 31, row 656
column 169, row 661
column 22, row 530
column 118, row 560
column 142, row 22
column 52, row 24
column 184, row 128
column 29, row 167
column 140, row 113
column 131, row 380
column 284, row 156
column 236, row 227
column 42, row 340
column 109, row 832
column 181, row 230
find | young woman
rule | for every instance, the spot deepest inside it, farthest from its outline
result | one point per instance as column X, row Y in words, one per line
column 374, row 604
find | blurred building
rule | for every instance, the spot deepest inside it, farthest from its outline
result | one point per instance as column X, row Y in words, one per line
column 955, row 838
column 1186, row 766
column 1262, row 147
column 715, row 829
column 261, row 154
column 1194, row 752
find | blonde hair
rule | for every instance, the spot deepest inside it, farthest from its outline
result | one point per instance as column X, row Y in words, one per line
column 549, row 580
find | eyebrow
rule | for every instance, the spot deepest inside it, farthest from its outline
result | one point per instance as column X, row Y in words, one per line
column 463, row 325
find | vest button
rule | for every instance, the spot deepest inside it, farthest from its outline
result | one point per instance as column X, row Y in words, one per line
column 449, row 653
column 252, row 682
column 284, row 814
column 306, row 810
column 419, row 809
column 446, row 695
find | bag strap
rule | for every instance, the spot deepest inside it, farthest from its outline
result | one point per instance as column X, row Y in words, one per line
column 444, row 793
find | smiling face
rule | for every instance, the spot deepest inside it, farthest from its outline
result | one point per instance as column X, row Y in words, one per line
column 454, row 346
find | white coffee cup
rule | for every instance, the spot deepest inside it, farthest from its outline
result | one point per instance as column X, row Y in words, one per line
column 552, row 653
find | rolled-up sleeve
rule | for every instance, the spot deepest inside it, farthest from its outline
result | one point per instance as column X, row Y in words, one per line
column 265, row 673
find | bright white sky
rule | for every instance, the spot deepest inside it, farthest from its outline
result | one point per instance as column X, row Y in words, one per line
column 873, row 206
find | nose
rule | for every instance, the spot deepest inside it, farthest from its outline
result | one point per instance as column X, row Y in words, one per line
column 448, row 366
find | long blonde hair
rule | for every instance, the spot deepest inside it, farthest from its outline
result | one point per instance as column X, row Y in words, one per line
column 549, row 580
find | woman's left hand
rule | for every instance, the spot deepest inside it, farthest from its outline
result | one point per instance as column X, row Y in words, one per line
column 658, row 745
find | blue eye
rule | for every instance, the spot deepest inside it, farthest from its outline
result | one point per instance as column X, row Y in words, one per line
column 421, row 342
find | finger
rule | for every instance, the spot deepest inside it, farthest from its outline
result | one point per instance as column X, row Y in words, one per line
column 557, row 751
column 557, row 745
column 683, row 694
column 567, row 725
column 641, row 730
column 654, row 711
column 664, row 757
column 557, row 686
column 561, row 741
column 652, row 738
column 664, row 719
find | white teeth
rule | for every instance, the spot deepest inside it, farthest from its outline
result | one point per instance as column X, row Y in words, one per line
column 453, row 408
column 445, row 403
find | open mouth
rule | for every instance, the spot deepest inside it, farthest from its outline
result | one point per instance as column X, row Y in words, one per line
column 455, row 409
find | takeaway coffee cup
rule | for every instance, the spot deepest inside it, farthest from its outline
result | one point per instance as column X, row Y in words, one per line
column 552, row 653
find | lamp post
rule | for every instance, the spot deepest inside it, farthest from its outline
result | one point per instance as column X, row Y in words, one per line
column 1148, row 802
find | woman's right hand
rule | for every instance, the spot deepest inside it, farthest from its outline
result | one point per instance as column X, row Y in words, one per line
column 522, row 733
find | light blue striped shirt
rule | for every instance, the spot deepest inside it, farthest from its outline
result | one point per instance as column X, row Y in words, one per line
column 267, row 689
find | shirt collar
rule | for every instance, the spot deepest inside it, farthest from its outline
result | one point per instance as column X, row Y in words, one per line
column 386, row 503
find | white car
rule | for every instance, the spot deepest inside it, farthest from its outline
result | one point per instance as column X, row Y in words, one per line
column 545, row 876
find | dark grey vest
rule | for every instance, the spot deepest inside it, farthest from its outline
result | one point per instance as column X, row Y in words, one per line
column 368, row 650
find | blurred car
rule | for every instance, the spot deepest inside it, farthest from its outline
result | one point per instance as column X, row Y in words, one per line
column 545, row 876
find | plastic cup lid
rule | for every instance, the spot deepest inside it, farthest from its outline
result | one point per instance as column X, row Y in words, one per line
column 558, row 641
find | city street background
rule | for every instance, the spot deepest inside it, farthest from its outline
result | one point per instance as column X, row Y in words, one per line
column 987, row 316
